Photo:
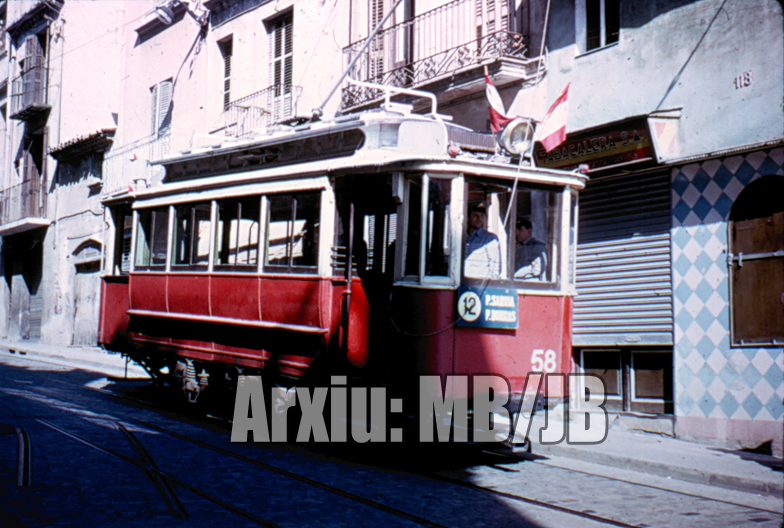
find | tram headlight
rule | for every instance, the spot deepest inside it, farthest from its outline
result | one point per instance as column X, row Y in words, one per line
column 517, row 135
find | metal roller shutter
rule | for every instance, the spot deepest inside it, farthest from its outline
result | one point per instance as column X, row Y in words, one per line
column 624, row 282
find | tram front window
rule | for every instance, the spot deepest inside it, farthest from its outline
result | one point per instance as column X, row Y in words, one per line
column 511, row 233
column 435, row 238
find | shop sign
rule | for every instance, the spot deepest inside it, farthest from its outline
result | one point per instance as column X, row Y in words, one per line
column 603, row 148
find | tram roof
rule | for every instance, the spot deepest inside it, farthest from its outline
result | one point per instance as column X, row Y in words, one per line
column 377, row 141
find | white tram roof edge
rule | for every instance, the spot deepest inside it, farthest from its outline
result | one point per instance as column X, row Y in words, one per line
column 390, row 141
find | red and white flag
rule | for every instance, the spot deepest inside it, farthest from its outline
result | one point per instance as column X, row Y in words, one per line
column 498, row 117
column 552, row 131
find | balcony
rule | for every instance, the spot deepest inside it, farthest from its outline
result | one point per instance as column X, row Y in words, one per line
column 128, row 165
column 23, row 207
column 29, row 94
column 255, row 112
column 444, row 51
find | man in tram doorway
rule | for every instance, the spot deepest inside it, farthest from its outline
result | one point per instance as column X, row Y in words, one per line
column 483, row 251
column 530, row 256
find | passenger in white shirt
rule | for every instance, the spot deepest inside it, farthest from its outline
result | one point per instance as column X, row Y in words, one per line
column 483, row 251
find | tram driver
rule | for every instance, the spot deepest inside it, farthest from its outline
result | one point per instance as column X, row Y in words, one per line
column 530, row 256
column 483, row 250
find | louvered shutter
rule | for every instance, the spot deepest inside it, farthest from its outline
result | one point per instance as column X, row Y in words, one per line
column 161, row 108
column 154, row 111
column 164, row 116
column 227, row 50
column 282, row 47
column 624, row 281
column 32, row 72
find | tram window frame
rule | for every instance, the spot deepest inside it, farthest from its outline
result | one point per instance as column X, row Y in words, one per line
column 310, row 241
column 186, row 255
column 122, row 225
column 422, row 247
column 152, row 230
column 223, row 243
column 487, row 191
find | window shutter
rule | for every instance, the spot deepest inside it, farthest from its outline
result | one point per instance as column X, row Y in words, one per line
column 164, row 117
column 288, row 53
column 281, row 56
column 226, row 50
column 154, row 111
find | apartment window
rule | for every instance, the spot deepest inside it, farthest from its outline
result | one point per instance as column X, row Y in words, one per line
column 281, row 58
column 161, row 95
column 226, row 52
column 602, row 19
column 292, row 232
column 756, row 233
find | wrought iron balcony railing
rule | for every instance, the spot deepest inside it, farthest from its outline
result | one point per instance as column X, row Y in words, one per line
column 29, row 94
column 255, row 112
column 454, row 37
column 25, row 200
column 124, row 166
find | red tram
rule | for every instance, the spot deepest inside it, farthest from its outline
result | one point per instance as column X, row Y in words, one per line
column 342, row 247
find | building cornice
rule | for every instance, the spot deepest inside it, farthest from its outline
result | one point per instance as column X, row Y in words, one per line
column 40, row 11
column 98, row 141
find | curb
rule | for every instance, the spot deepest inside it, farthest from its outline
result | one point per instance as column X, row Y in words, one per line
column 85, row 358
column 722, row 480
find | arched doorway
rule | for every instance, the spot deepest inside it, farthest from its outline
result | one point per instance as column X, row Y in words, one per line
column 756, row 240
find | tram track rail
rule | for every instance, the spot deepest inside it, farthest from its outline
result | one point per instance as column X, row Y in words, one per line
column 167, row 476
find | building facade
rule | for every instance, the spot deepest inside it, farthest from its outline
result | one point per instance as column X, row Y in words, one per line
column 674, row 106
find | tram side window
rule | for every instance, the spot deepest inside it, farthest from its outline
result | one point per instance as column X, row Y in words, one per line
column 123, row 222
column 151, row 239
column 237, row 236
column 192, row 235
column 292, row 232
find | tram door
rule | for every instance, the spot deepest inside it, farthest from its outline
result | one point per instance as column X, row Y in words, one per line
column 374, row 226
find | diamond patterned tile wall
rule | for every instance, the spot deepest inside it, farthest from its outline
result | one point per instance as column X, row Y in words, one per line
column 713, row 379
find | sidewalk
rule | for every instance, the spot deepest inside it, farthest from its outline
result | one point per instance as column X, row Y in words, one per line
column 94, row 359
column 669, row 457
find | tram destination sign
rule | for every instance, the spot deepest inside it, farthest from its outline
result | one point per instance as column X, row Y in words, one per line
column 486, row 307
